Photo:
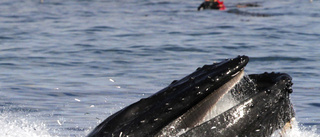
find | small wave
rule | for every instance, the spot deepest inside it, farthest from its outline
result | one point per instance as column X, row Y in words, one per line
column 7, row 64
column 246, row 13
column 84, row 45
column 239, row 46
column 225, row 27
column 160, row 3
column 278, row 58
column 13, row 49
column 130, row 35
column 182, row 49
column 99, row 28
column 118, row 51
column 315, row 104
column 6, row 38
column 204, row 33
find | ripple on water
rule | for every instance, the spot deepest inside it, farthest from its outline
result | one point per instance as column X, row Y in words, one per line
column 99, row 28
column 278, row 58
column 6, row 38
column 315, row 104
column 176, row 48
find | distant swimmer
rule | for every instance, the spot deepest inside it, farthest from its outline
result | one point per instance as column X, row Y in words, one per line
column 212, row 4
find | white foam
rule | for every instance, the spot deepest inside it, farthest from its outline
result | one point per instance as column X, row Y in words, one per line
column 13, row 125
column 297, row 131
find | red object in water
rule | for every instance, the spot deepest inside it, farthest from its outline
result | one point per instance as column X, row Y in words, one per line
column 221, row 5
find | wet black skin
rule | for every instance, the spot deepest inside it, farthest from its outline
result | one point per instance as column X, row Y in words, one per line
column 149, row 115
column 265, row 107
column 264, row 101
column 209, row 5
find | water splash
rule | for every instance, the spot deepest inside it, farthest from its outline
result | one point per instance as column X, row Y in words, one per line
column 297, row 131
column 16, row 125
column 24, row 125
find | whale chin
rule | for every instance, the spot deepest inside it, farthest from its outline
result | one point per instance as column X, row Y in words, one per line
column 215, row 100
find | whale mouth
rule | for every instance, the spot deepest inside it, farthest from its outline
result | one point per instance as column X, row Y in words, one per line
column 242, row 98
column 215, row 100
column 211, row 106
column 262, row 106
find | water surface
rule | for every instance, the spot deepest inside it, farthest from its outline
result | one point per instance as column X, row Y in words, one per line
column 67, row 65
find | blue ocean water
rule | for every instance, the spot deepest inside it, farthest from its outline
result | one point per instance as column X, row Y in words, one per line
column 67, row 65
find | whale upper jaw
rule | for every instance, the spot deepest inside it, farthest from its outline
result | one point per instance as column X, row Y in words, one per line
column 184, row 107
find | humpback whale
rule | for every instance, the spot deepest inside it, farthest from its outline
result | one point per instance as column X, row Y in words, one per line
column 195, row 105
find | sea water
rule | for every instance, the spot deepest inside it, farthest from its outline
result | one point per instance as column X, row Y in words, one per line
column 68, row 65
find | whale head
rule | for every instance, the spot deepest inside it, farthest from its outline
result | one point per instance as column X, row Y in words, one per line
column 194, row 105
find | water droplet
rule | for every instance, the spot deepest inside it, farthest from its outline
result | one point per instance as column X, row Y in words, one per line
column 111, row 80
column 59, row 122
